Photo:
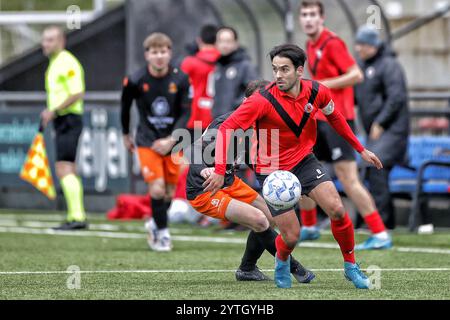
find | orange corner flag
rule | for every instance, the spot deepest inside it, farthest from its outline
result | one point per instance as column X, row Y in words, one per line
column 36, row 169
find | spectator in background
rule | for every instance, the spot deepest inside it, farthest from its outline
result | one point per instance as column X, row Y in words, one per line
column 233, row 73
column 383, row 103
column 199, row 68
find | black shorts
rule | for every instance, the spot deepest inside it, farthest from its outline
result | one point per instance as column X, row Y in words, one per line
column 310, row 172
column 330, row 146
column 68, row 129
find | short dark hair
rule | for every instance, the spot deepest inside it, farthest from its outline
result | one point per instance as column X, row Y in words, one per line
column 208, row 34
column 233, row 30
column 291, row 51
column 313, row 3
column 254, row 86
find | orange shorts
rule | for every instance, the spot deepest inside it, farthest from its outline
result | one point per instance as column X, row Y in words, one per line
column 216, row 206
column 155, row 166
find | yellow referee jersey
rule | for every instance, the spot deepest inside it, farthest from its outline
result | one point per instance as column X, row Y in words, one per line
column 64, row 77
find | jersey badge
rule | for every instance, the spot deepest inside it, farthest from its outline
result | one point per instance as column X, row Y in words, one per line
column 309, row 108
column 173, row 88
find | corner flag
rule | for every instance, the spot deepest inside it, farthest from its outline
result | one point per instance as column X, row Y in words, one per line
column 36, row 170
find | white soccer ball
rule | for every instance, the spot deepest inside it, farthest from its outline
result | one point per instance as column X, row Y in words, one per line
column 282, row 190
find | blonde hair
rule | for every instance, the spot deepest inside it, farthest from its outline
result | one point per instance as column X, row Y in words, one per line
column 157, row 40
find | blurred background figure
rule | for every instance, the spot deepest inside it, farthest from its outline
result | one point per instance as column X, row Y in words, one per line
column 199, row 68
column 64, row 83
column 331, row 63
column 234, row 71
column 162, row 97
column 383, row 107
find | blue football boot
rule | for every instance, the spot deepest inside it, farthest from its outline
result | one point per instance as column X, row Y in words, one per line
column 309, row 234
column 374, row 243
column 283, row 273
column 354, row 274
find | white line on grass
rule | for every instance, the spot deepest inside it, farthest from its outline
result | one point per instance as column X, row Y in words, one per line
column 208, row 271
column 126, row 235
column 92, row 226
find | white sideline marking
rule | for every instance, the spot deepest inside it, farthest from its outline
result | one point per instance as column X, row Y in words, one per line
column 126, row 235
column 208, row 271
column 92, row 226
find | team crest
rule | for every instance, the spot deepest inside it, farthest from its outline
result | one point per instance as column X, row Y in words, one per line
column 370, row 72
column 173, row 88
column 145, row 87
column 215, row 202
column 231, row 73
column 309, row 108
column 319, row 54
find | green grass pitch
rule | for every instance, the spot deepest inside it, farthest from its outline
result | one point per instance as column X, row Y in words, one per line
column 115, row 263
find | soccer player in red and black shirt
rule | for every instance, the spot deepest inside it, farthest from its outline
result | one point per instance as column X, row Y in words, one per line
column 199, row 68
column 287, row 110
column 236, row 201
column 331, row 63
column 161, row 93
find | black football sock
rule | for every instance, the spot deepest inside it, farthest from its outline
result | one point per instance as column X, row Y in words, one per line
column 159, row 213
column 166, row 209
column 253, row 251
column 267, row 239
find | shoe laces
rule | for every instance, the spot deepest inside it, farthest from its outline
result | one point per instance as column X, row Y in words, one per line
column 357, row 270
column 165, row 241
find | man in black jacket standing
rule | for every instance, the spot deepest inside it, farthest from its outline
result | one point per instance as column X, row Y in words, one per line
column 234, row 71
column 383, row 107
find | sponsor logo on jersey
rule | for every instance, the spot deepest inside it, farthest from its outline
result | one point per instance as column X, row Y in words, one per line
column 160, row 107
column 145, row 87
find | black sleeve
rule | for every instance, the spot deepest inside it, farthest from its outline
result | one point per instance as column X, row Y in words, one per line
column 395, row 93
column 128, row 95
column 184, row 104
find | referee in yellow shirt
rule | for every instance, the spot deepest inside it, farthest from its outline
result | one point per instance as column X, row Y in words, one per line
column 64, row 83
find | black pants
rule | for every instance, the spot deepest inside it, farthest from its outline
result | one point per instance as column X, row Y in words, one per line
column 379, row 188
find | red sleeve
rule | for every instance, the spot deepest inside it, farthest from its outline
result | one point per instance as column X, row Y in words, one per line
column 340, row 56
column 336, row 119
column 185, row 65
column 243, row 118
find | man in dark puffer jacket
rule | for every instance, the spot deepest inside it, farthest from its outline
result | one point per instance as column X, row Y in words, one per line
column 383, row 107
